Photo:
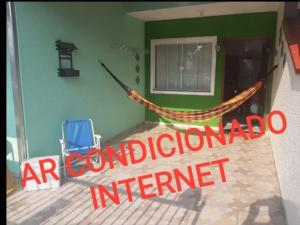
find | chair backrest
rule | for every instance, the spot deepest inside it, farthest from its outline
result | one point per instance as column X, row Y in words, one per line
column 78, row 133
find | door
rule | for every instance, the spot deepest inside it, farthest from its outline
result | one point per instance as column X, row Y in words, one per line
column 246, row 62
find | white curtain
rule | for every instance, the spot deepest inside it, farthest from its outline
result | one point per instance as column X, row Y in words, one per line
column 183, row 67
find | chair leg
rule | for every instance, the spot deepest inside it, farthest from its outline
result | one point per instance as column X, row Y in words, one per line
column 96, row 159
column 65, row 169
column 99, row 159
column 64, row 165
column 65, row 172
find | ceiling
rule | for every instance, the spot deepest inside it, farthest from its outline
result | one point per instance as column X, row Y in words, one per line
column 203, row 10
column 143, row 6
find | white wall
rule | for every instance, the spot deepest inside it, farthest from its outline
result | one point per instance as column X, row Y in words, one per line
column 286, row 147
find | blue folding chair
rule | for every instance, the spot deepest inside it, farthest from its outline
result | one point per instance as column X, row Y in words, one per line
column 78, row 137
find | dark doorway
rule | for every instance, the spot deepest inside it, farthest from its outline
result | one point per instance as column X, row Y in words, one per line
column 246, row 62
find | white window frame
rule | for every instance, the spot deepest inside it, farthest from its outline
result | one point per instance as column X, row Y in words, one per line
column 189, row 40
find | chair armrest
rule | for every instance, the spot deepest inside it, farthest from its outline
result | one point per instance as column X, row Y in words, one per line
column 97, row 136
column 61, row 141
column 62, row 144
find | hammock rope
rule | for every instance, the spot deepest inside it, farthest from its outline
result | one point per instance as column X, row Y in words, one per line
column 195, row 115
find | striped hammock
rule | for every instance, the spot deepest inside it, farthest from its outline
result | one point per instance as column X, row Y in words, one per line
column 193, row 116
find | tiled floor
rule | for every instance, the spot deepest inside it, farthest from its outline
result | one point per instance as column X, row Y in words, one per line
column 251, row 194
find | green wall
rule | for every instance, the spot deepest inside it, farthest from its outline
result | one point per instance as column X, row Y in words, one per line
column 49, row 99
column 254, row 24
column 12, row 157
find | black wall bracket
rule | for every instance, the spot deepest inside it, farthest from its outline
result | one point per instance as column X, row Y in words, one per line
column 65, row 54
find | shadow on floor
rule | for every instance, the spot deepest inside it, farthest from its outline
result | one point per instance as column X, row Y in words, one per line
column 190, row 199
column 45, row 213
column 271, row 209
column 195, row 195
column 123, row 137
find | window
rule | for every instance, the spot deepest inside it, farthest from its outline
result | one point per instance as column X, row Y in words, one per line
column 183, row 65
